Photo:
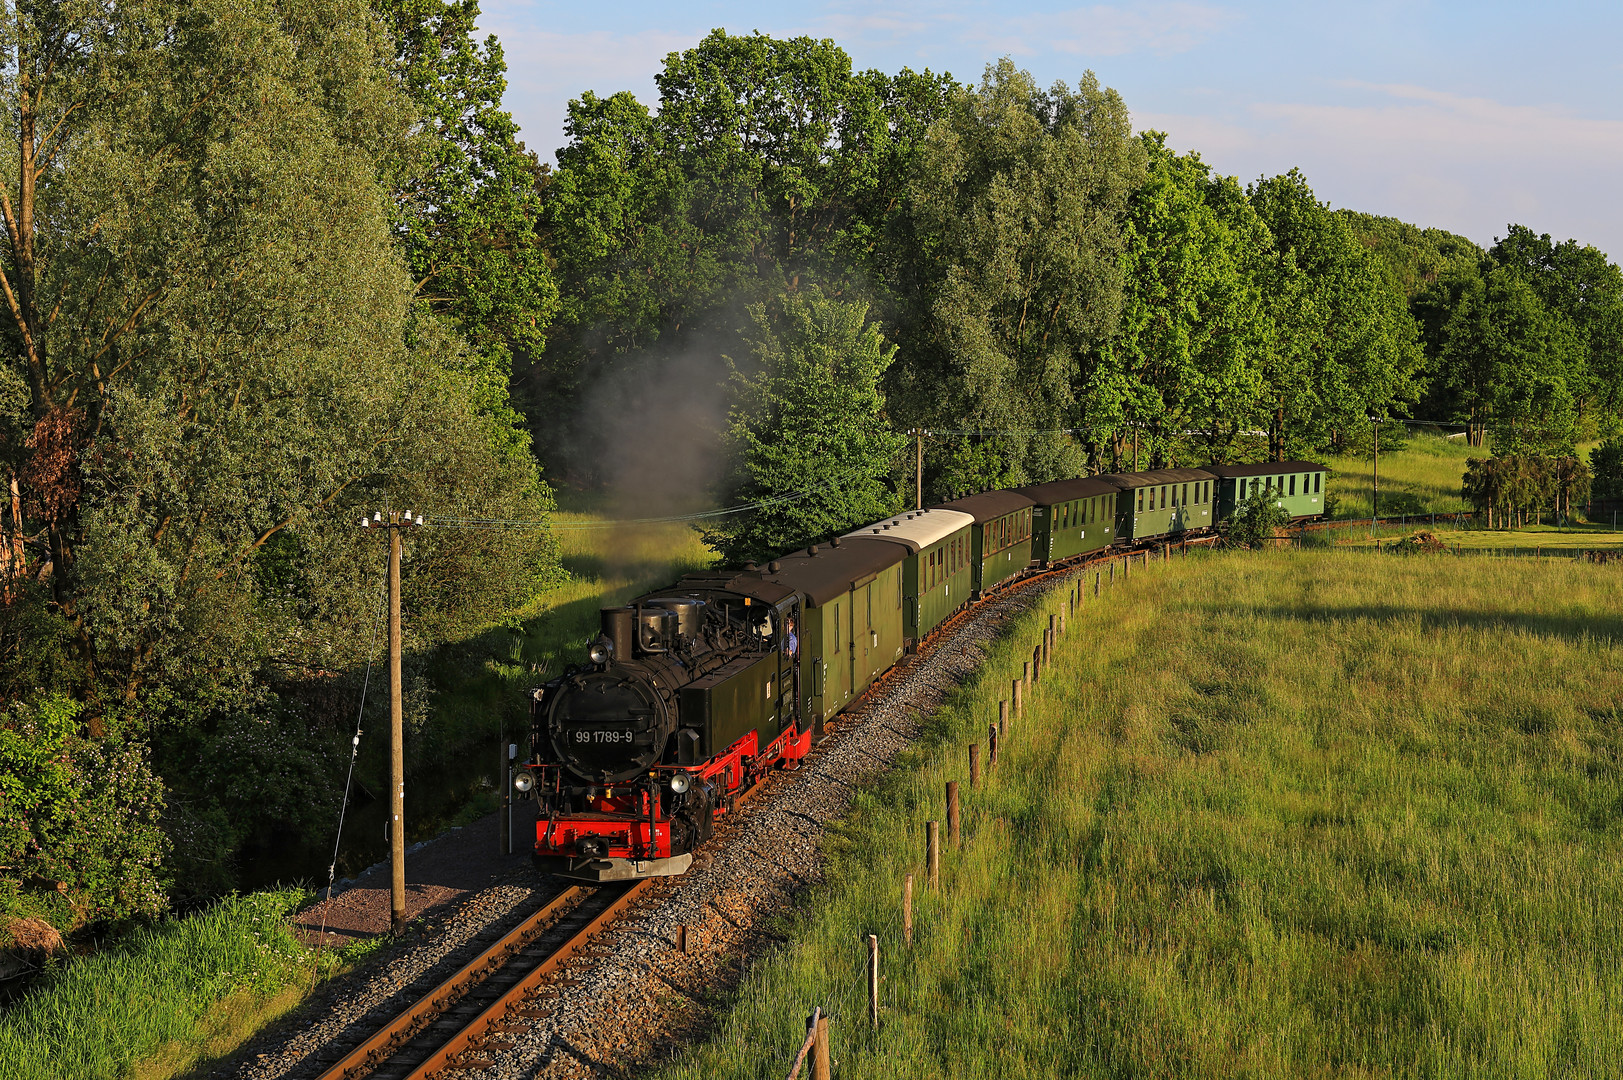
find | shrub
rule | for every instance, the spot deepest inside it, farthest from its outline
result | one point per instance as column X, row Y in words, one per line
column 78, row 819
column 1257, row 520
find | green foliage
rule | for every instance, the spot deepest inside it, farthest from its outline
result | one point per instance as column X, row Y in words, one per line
column 1508, row 360
column 468, row 197
column 1194, row 328
column 1606, row 464
column 807, row 427
column 99, row 1017
column 79, row 819
column 1510, row 484
column 1345, row 344
column 1017, row 203
column 1256, row 521
column 769, row 164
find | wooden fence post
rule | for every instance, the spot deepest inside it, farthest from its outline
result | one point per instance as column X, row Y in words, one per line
column 991, row 742
column 907, row 909
column 822, row 1068
column 1003, row 717
column 682, row 938
column 873, row 980
column 1015, row 688
column 1097, row 577
column 974, row 764
column 932, row 852
column 953, row 835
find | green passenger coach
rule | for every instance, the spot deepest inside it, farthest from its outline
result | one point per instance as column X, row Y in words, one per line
column 937, row 573
column 1070, row 518
column 1000, row 542
column 1162, row 502
column 851, row 624
column 1297, row 486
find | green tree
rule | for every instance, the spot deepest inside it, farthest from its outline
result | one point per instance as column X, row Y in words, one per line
column 1345, row 345
column 1193, row 326
column 769, row 164
column 468, row 195
column 1256, row 521
column 1512, row 364
column 807, row 429
column 1606, row 464
column 1017, row 204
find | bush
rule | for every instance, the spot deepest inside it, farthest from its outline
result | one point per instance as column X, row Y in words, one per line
column 78, row 820
column 1257, row 520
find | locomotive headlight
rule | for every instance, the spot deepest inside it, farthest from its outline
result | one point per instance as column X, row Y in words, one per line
column 680, row 782
column 600, row 650
column 523, row 781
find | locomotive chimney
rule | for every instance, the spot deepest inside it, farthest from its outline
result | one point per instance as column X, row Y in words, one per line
column 618, row 624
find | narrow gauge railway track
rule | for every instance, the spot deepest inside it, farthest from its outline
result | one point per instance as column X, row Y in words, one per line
column 464, row 1019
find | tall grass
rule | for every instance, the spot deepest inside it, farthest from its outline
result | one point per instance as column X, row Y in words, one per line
column 165, row 988
column 1274, row 815
column 1423, row 477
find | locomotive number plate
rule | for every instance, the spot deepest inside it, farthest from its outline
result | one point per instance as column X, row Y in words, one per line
column 603, row 736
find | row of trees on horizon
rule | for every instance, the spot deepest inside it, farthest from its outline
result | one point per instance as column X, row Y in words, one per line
column 269, row 264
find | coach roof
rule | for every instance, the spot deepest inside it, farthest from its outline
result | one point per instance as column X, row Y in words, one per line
column 988, row 505
column 1267, row 468
column 1058, row 491
column 822, row 572
column 1157, row 476
column 916, row 529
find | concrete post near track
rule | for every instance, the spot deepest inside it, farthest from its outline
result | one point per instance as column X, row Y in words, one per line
column 395, row 522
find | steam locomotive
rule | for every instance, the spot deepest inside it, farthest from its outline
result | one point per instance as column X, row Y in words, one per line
column 693, row 692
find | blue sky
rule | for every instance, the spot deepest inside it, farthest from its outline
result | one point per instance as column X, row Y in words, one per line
column 1463, row 116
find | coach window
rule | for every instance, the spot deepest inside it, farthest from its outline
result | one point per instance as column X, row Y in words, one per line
column 1293, row 483
column 1140, row 500
column 1316, row 477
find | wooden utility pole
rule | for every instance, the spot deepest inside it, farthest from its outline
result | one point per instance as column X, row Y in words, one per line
column 395, row 522
column 1375, row 473
column 918, row 468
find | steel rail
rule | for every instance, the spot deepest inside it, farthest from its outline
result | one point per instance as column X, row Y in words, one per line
column 493, row 1019
column 406, row 1025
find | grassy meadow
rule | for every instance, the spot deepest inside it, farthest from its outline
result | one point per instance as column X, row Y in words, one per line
column 1274, row 815
column 1421, row 478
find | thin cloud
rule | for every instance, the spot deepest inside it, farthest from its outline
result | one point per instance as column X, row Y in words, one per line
column 1463, row 163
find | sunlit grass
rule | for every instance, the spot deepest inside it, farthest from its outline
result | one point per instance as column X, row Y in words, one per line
column 173, row 994
column 1422, row 478
column 1279, row 815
